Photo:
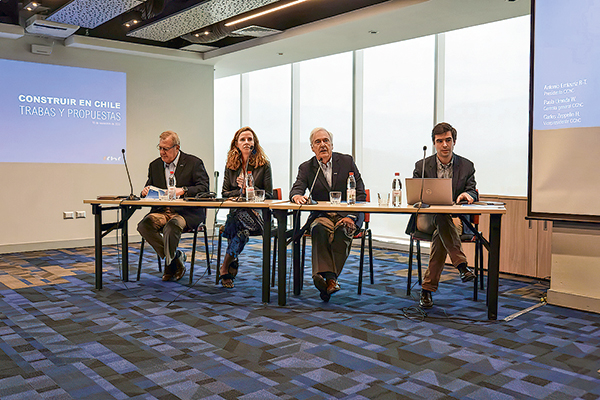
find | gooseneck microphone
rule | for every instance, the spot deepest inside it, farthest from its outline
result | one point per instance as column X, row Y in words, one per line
column 131, row 195
column 420, row 204
column 310, row 199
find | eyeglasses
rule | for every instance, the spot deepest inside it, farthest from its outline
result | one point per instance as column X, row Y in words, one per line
column 164, row 148
column 319, row 141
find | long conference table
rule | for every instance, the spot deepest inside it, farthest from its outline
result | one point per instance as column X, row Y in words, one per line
column 281, row 210
column 128, row 207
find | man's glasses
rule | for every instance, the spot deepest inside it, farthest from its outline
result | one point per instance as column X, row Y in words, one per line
column 164, row 148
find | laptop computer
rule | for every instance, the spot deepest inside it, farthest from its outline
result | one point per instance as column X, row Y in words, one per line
column 436, row 191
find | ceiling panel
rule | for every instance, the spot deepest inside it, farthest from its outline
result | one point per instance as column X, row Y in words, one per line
column 92, row 13
column 195, row 18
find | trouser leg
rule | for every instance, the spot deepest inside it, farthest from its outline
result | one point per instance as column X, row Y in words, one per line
column 340, row 248
column 150, row 227
column 450, row 238
column 445, row 240
column 330, row 245
column 437, row 258
column 321, row 232
column 172, row 234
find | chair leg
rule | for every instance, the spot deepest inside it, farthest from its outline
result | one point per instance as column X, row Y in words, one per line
column 476, row 272
column 302, row 256
column 207, row 249
column 409, row 274
column 139, row 271
column 419, row 264
column 218, row 266
column 361, row 263
column 371, row 257
column 194, row 242
column 480, row 265
column 274, row 266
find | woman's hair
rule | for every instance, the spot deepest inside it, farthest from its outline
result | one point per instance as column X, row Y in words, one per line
column 234, row 155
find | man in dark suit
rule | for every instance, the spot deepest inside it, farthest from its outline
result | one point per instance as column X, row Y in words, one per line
column 446, row 234
column 331, row 232
column 162, row 226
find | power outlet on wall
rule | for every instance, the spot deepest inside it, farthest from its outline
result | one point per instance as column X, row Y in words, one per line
column 68, row 215
column 79, row 214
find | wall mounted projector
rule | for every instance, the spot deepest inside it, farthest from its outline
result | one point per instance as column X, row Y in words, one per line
column 37, row 25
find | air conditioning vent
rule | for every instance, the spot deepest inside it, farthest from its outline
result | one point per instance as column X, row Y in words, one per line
column 37, row 25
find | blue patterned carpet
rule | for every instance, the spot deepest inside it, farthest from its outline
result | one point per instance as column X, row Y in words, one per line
column 62, row 339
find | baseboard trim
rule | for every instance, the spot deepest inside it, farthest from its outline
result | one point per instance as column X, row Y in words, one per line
column 61, row 244
column 575, row 301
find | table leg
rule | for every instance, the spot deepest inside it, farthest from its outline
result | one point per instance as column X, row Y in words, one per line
column 266, row 267
column 281, row 216
column 125, row 214
column 493, row 266
column 296, row 256
column 97, row 211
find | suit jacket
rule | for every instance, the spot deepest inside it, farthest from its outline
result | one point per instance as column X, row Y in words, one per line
column 463, row 180
column 463, row 175
column 190, row 172
column 343, row 164
column 262, row 180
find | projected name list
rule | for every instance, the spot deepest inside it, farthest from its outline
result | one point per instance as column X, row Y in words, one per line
column 561, row 107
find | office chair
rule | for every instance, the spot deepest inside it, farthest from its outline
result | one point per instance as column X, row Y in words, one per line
column 363, row 234
column 417, row 236
column 276, row 196
column 201, row 228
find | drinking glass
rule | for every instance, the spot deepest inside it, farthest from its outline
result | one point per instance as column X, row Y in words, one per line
column 335, row 198
column 383, row 199
column 259, row 195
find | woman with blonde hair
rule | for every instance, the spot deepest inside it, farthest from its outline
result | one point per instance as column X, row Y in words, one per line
column 245, row 155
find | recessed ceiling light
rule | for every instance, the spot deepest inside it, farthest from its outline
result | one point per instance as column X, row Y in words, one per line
column 373, row 32
column 32, row 5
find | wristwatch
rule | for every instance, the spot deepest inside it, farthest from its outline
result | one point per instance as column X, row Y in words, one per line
column 185, row 190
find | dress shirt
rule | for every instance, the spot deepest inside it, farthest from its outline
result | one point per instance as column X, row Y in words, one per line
column 328, row 170
column 171, row 167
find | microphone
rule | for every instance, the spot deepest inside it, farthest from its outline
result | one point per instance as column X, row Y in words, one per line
column 131, row 195
column 420, row 204
column 310, row 199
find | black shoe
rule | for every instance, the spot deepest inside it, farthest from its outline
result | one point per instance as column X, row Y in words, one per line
column 426, row 301
column 465, row 273
column 321, row 285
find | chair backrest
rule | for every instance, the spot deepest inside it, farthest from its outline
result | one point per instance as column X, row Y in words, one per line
column 277, row 194
column 475, row 219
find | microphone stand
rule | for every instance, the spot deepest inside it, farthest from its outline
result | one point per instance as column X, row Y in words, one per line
column 310, row 199
column 420, row 204
column 131, row 195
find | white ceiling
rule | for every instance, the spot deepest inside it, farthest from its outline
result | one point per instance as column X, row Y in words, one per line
column 393, row 21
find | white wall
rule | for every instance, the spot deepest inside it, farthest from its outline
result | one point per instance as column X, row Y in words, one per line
column 162, row 94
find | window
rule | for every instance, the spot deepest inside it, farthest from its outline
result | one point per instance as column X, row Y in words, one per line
column 269, row 115
column 487, row 101
column 227, row 121
column 398, row 117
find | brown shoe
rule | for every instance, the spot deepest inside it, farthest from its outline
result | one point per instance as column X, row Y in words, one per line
column 465, row 273
column 167, row 277
column 332, row 286
column 321, row 284
column 180, row 262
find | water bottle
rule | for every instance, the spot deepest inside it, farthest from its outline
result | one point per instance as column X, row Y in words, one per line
column 249, row 186
column 397, row 190
column 171, row 190
column 351, row 193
